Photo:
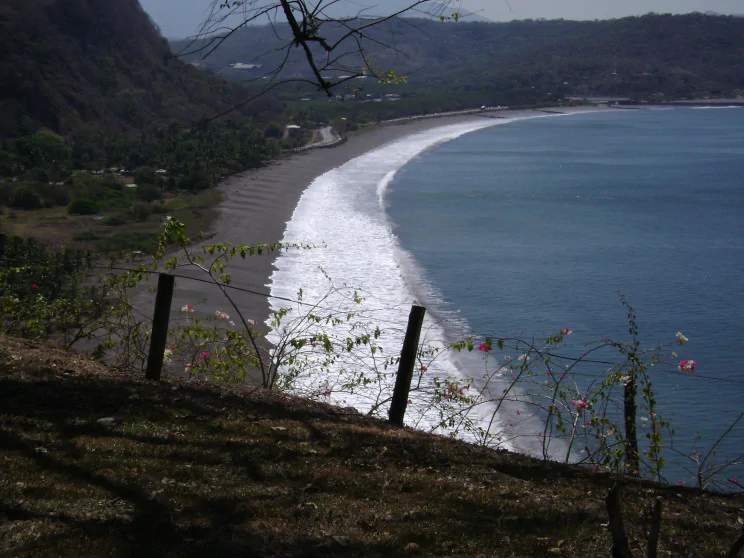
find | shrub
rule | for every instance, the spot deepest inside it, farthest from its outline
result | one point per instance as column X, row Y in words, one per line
column 82, row 206
column 114, row 220
column 273, row 130
column 141, row 211
column 26, row 197
column 148, row 192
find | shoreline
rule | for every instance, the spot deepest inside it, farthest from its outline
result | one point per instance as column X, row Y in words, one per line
column 259, row 203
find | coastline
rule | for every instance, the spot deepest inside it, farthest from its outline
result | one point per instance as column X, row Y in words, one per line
column 259, row 203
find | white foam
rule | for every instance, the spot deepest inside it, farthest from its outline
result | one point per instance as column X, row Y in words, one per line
column 343, row 210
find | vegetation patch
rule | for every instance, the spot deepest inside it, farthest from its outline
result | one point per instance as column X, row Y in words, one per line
column 183, row 468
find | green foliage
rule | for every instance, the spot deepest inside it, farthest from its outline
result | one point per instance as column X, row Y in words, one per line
column 526, row 62
column 25, row 196
column 45, row 149
column 274, row 130
column 40, row 290
column 148, row 192
column 141, row 211
column 8, row 164
column 83, row 206
column 114, row 220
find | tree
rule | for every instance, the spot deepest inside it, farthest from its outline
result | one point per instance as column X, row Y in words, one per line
column 332, row 45
column 45, row 149
column 26, row 197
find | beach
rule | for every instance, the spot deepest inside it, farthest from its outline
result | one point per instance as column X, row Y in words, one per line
column 259, row 203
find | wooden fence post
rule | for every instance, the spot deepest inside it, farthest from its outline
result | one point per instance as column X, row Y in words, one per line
column 405, row 368
column 160, row 318
column 2, row 243
column 620, row 547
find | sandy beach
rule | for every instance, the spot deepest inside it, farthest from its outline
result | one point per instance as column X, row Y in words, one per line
column 259, row 203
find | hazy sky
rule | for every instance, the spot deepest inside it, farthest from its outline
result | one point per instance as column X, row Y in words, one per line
column 179, row 18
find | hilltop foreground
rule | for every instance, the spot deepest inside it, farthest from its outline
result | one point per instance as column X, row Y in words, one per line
column 187, row 469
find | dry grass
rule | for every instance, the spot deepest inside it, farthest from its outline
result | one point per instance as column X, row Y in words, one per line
column 57, row 227
column 193, row 470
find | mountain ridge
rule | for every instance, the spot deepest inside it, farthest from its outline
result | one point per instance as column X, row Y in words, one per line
column 72, row 64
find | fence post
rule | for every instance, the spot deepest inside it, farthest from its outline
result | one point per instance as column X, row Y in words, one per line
column 160, row 318
column 2, row 243
column 405, row 368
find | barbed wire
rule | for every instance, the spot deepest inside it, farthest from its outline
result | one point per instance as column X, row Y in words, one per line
column 433, row 321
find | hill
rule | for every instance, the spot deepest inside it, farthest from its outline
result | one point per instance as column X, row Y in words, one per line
column 69, row 65
column 674, row 56
column 109, row 464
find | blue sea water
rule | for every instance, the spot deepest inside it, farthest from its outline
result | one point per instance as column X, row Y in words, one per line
column 519, row 228
column 538, row 225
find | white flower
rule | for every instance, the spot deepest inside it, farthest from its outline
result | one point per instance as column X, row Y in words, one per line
column 681, row 339
column 231, row 323
column 187, row 308
column 221, row 315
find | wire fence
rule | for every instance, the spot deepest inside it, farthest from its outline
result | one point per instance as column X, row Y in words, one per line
column 374, row 312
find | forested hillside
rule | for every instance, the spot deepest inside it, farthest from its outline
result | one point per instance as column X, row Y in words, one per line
column 72, row 65
column 97, row 117
column 692, row 56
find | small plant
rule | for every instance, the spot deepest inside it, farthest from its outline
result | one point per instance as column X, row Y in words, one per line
column 83, row 206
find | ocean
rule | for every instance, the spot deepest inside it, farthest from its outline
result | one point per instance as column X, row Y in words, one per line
column 517, row 228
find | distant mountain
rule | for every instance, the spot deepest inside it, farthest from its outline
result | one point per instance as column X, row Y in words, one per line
column 527, row 61
column 100, row 65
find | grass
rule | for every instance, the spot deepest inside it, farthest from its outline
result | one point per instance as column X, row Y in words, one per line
column 105, row 236
column 194, row 469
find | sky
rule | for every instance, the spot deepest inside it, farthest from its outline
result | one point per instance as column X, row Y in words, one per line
column 181, row 18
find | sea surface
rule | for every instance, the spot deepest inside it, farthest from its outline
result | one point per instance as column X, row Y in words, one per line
column 521, row 227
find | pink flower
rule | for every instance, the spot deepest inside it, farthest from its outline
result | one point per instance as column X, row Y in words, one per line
column 410, row 402
column 579, row 404
column 587, row 423
column 204, row 355
column 566, row 331
column 687, row 366
column 734, row 480
column 680, row 482
column 35, row 287
column 327, row 391
column 187, row 308
column 423, row 369
column 484, row 347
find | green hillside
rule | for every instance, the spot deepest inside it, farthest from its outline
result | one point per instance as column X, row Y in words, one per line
column 80, row 64
column 685, row 56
